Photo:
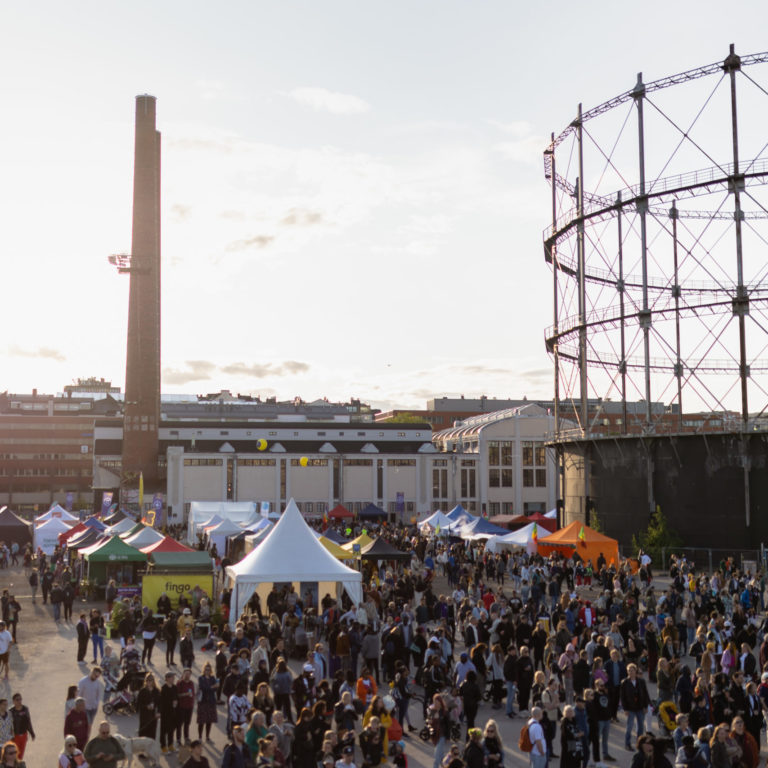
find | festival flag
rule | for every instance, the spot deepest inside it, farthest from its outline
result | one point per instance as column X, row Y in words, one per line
column 535, row 532
column 437, row 529
column 141, row 492
column 582, row 535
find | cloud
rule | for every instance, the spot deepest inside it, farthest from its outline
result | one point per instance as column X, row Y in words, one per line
column 301, row 217
column 197, row 370
column 46, row 353
column 262, row 370
column 482, row 370
column 334, row 102
column 258, row 241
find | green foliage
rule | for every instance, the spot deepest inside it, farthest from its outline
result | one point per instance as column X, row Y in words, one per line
column 118, row 612
column 595, row 523
column 657, row 535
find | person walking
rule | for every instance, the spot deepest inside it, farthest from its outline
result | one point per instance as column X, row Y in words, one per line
column 206, row 704
column 96, row 626
column 103, row 750
column 538, row 753
column 5, row 650
column 186, row 693
column 22, row 724
column 635, row 700
column 91, row 688
column 76, row 723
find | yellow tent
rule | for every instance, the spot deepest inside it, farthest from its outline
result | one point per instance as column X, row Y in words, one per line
column 363, row 540
column 336, row 550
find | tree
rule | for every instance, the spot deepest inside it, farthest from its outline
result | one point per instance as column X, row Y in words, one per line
column 657, row 536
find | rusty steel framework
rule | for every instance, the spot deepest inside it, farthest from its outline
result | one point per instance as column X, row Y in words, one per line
column 659, row 249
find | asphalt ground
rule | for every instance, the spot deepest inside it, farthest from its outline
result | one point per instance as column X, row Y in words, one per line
column 44, row 665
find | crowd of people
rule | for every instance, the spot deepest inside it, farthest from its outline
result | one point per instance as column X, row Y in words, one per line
column 582, row 651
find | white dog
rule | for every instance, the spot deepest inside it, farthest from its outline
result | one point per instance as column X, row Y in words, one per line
column 139, row 745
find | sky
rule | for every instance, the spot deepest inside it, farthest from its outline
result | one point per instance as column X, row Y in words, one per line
column 353, row 192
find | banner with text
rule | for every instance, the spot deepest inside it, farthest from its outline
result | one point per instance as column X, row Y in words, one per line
column 174, row 585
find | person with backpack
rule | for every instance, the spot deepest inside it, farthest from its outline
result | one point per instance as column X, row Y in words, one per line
column 532, row 740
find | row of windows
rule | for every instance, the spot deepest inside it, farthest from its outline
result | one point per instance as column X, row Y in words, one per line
column 27, row 424
column 310, row 462
column 500, row 478
column 34, row 440
column 256, row 462
column 83, row 454
column 203, row 462
column 38, row 472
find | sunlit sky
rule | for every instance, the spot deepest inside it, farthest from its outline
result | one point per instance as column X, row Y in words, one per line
column 353, row 195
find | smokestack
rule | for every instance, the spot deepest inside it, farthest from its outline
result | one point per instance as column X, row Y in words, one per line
column 142, row 370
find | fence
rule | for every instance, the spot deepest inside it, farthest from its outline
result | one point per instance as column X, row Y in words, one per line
column 704, row 558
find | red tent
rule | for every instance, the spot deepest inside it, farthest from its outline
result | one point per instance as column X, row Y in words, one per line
column 71, row 532
column 166, row 544
column 514, row 522
column 542, row 521
column 339, row 512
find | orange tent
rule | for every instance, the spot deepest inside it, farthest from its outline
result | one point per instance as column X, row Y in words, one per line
column 589, row 545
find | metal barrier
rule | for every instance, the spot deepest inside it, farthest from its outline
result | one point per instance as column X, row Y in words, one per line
column 704, row 558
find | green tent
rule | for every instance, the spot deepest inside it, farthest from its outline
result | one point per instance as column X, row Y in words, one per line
column 114, row 559
column 196, row 561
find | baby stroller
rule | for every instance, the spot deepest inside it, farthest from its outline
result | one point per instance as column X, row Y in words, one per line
column 123, row 701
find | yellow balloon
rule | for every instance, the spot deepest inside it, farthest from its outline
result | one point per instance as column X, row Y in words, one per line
column 303, row 461
column 262, row 444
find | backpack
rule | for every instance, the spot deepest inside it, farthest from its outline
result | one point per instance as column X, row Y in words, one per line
column 524, row 743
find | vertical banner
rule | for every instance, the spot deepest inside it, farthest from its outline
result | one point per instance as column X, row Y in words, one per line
column 106, row 502
column 264, row 508
column 157, row 510
column 141, row 493
column 70, row 500
column 400, row 503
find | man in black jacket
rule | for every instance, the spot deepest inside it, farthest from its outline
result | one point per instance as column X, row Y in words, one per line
column 510, row 678
column 83, row 635
column 635, row 700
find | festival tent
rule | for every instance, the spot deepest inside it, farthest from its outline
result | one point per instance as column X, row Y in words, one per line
column 515, row 522
column 252, row 540
column 47, row 535
column 56, row 511
column 113, row 558
column 552, row 514
column 132, row 531
column 460, row 516
column 338, row 552
column 114, row 518
column 363, row 540
column 379, row 550
column 125, row 525
column 95, row 523
column 219, row 534
column 79, row 528
column 372, row 511
column 517, row 539
column 335, row 536
column 166, row 544
column 309, row 561
column 203, row 511
column 86, row 538
column 14, row 529
column 340, row 512
column 438, row 519
column 581, row 539
column 544, row 521
column 255, row 525
column 480, row 528
column 144, row 538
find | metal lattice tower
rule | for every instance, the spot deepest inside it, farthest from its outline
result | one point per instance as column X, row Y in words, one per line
column 659, row 249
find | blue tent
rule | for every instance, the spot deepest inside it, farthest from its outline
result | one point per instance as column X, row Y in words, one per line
column 372, row 511
column 460, row 516
column 335, row 536
column 480, row 526
column 95, row 523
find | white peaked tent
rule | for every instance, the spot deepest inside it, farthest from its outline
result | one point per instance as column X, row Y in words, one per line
column 46, row 535
column 123, row 526
column 219, row 535
column 144, row 538
column 290, row 553
column 523, row 537
column 203, row 511
column 56, row 512
column 552, row 514
column 438, row 519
